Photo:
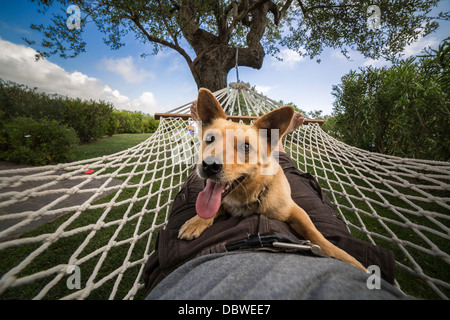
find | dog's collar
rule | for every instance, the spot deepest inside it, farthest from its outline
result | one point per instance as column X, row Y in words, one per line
column 255, row 204
column 234, row 184
column 263, row 191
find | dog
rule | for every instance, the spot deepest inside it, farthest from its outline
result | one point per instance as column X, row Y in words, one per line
column 242, row 177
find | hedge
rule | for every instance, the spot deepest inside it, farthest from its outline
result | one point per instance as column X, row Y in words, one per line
column 402, row 110
column 123, row 121
column 37, row 142
column 24, row 110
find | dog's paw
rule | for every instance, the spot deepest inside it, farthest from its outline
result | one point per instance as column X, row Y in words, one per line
column 194, row 227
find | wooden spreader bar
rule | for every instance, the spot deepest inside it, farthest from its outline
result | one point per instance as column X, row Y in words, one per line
column 186, row 116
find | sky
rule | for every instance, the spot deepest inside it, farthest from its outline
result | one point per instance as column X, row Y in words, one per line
column 162, row 82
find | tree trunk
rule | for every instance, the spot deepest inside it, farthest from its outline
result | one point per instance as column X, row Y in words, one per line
column 216, row 57
column 210, row 69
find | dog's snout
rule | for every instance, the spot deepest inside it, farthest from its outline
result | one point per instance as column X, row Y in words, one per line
column 211, row 166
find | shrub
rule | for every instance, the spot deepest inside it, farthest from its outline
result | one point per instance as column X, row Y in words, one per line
column 88, row 118
column 113, row 123
column 36, row 142
column 129, row 122
column 150, row 124
column 18, row 100
column 402, row 110
column 124, row 121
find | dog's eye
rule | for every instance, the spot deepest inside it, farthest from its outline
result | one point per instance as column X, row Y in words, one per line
column 245, row 147
column 209, row 138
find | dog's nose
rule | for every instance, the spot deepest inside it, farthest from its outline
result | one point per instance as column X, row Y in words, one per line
column 211, row 166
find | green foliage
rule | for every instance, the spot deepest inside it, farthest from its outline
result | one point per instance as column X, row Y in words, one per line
column 342, row 25
column 329, row 125
column 36, row 142
column 17, row 100
column 124, row 121
column 438, row 62
column 402, row 110
column 303, row 26
column 257, row 27
column 314, row 114
column 150, row 124
column 89, row 120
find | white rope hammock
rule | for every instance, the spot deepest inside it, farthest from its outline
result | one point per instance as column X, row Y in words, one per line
column 105, row 223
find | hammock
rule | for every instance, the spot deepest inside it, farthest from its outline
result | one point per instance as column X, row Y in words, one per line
column 96, row 221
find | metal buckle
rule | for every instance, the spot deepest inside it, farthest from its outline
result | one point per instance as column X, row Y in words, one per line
column 306, row 246
column 274, row 241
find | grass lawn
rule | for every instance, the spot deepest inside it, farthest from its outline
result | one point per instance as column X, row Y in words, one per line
column 109, row 145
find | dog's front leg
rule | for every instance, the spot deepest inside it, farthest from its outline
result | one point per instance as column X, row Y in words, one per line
column 194, row 227
column 301, row 223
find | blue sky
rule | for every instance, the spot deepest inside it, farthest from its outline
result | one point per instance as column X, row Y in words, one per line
column 163, row 82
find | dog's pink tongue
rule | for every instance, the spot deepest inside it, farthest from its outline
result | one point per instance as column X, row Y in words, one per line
column 208, row 201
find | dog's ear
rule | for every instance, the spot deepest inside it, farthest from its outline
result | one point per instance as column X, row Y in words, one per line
column 208, row 108
column 278, row 119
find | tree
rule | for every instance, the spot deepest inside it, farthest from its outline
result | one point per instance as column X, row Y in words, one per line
column 206, row 33
column 403, row 110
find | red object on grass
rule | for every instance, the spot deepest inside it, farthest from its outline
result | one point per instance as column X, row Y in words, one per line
column 89, row 171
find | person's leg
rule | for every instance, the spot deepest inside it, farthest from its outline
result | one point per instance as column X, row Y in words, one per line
column 297, row 121
column 264, row 275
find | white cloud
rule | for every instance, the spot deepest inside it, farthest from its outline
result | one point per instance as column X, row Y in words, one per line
column 338, row 55
column 413, row 49
column 17, row 63
column 417, row 47
column 144, row 102
column 375, row 63
column 263, row 89
column 290, row 59
column 127, row 68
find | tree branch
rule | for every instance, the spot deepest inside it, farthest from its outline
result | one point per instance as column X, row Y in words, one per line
column 238, row 17
column 306, row 10
column 162, row 41
column 279, row 14
column 174, row 37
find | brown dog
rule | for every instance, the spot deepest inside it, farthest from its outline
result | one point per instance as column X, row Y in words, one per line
column 242, row 178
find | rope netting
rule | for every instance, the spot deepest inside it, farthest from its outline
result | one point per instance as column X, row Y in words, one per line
column 85, row 229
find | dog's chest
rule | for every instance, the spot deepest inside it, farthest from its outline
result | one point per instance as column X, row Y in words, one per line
column 236, row 209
